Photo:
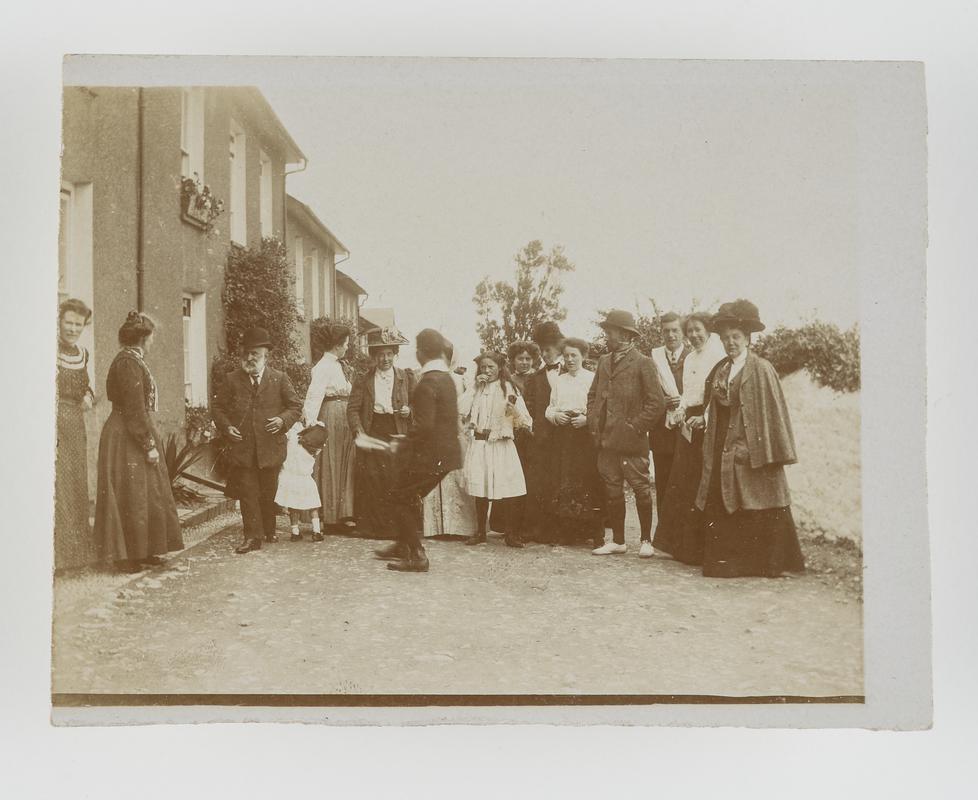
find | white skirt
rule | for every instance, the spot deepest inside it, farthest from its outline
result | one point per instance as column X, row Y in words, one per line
column 492, row 470
column 296, row 487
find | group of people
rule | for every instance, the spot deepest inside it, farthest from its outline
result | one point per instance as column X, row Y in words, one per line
column 538, row 448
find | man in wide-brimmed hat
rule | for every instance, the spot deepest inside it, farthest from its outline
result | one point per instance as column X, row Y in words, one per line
column 624, row 403
column 379, row 406
column 254, row 407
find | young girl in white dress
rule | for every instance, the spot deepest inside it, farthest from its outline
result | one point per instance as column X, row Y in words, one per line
column 297, row 489
column 492, row 410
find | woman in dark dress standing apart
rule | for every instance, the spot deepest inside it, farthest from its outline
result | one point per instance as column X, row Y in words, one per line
column 74, row 545
column 748, row 441
column 135, row 515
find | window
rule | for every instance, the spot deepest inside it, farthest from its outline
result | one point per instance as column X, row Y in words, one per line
column 238, row 213
column 76, row 276
column 300, row 283
column 192, row 134
column 314, row 263
column 195, row 349
column 265, row 196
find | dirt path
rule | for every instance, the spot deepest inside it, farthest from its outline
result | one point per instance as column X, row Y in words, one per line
column 328, row 618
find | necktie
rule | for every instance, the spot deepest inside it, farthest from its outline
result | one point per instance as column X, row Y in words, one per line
column 254, row 383
column 553, row 366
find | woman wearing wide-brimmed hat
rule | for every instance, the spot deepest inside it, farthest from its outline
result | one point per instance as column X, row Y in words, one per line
column 380, row 407
column 748, row 441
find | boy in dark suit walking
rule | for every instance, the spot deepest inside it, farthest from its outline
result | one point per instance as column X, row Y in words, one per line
column 624, row 403
column 255, row 407
column 429, row 451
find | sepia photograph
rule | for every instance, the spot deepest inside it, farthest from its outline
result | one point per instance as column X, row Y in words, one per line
column 389, row 382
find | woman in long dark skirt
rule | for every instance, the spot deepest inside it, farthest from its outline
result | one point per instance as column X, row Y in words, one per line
column 573, row 492
column 680, row 526
column 379, row 407
column 135, row 515
column 748, row 442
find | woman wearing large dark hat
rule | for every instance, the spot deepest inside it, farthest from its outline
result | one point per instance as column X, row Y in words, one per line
column 135, row 515
column 379, row 406
column 73, row 542
column 748, row 441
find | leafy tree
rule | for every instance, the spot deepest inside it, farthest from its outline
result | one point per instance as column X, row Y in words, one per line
column 508, row 312
column 259, row 291
column 830, row 355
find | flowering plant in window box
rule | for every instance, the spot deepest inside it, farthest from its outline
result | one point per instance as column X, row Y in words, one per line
column 198, row 205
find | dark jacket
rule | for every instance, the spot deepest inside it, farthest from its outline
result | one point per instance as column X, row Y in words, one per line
column 237, row 404
column 536, row 395
column 624, row 404
column 360, row 409
column 130, row 388
column 432, row 445
column 759, row 441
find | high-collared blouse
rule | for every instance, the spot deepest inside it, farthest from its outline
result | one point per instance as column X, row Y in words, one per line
column 696, row 369
column 569, row 393
column 328, row 380
column 384, row 391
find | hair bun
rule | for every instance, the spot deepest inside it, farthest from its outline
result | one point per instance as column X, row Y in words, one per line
column 134, row 316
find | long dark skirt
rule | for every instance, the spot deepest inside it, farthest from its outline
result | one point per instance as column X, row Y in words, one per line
column 681, row 525
column 374, row 478
column 135, row 515
column 74, row 545
column 761, row 543
column 574, row 493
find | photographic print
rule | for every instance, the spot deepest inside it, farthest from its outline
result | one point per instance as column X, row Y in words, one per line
column 390, row 383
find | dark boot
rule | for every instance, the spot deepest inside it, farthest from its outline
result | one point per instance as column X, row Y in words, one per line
column 477, row 538
column 392, row 552
column 248, row 546
column 416, row 561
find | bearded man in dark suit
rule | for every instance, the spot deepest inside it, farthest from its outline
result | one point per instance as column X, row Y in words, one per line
column 254, row 408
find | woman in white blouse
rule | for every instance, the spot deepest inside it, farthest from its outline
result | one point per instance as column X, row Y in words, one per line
column 573, row 494
column 679, row 530
column 493, row 410
column 326, row 402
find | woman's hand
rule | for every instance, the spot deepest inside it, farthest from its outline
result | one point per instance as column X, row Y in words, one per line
column 696, row 423
column 579, row 421
column 234, row 434
column 153, row 455
column 405, row 411
column 482, row 380
column 561, row 418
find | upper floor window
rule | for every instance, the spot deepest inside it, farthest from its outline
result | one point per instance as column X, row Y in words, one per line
column 265, row 196
column 192, row 133
column 238, row 212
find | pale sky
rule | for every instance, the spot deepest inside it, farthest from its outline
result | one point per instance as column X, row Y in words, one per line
column 678, row 181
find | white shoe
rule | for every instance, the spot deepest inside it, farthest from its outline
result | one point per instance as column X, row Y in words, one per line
column 609, row 548
column 646, row 551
